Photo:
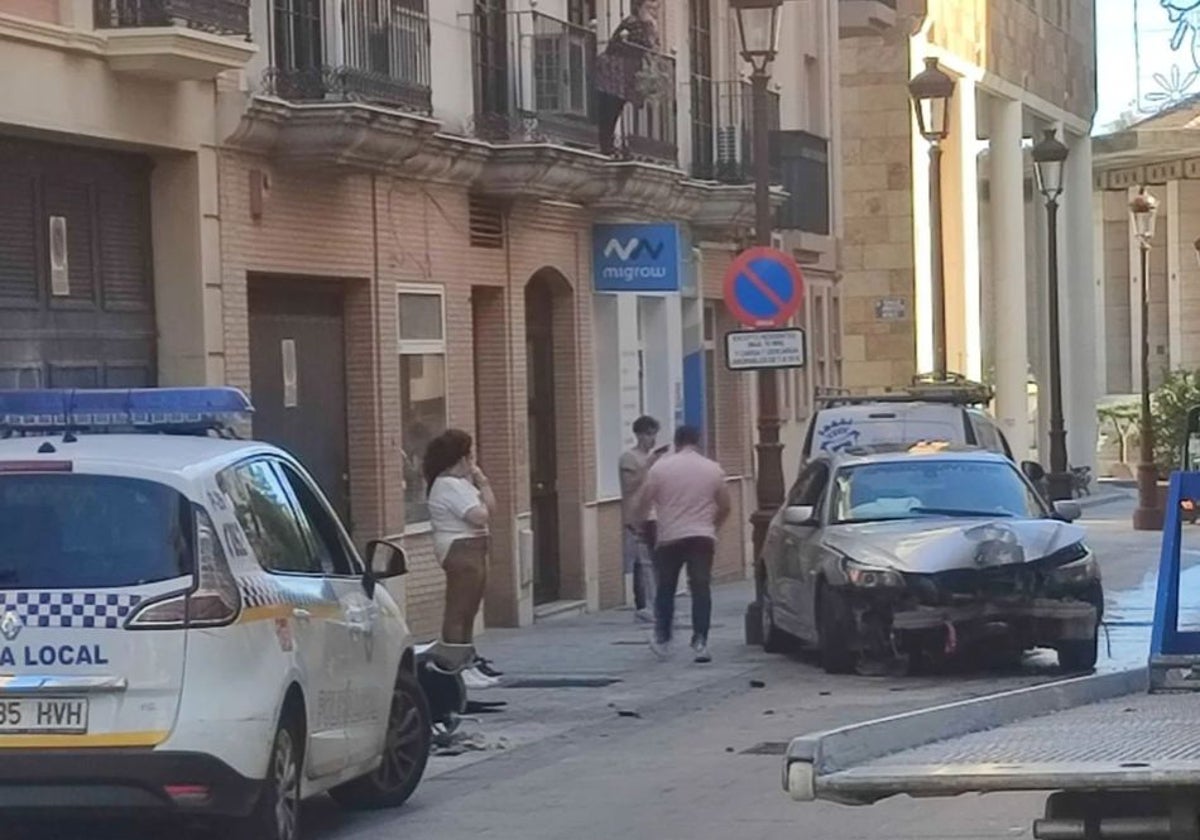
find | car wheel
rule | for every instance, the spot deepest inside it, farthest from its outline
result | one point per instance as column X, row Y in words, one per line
column 774, row 639
column 276, row 815
column 1078, row 654
column 835, row 631
column 405, row 752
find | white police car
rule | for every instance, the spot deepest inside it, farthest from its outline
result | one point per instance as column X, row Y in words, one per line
column 185, row 625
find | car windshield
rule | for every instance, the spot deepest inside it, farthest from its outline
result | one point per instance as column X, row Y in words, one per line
column 931, row 487
column 90, row 531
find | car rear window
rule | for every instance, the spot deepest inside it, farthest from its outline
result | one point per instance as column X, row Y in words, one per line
column 87, row 531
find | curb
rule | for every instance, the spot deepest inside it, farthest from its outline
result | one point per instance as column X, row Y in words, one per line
column 1100, row 499
column 811, row 756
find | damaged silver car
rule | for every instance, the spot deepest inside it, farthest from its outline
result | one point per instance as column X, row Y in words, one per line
column 923, row 553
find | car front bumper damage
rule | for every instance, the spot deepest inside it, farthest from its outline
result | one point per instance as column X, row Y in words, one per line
column 1041, row 621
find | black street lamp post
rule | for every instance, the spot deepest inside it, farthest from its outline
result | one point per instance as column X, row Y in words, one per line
column 1049, row 159
column 1148, row 516
column 931, row 91
column 758, row 27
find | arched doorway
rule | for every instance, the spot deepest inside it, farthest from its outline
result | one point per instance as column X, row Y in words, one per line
column 553, row 490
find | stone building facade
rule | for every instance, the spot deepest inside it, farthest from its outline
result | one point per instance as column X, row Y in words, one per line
column 1020, row 68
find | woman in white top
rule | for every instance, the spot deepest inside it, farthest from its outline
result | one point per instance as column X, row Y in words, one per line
column 461, row 503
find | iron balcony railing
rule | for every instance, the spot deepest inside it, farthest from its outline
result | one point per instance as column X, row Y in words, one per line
column 219, row 17
column 382, row 56
column 800, row 162
column 649, row 129
column 534, row 78
column 728, row 154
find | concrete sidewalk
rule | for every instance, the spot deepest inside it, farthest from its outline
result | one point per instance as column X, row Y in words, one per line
column 563, row 674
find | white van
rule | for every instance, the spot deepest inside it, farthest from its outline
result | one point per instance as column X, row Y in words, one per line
column 845, row 422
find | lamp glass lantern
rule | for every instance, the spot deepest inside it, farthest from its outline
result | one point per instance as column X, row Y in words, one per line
column 758, row 28
column 1144, row 208
column 1049, row 159
column 931, row 90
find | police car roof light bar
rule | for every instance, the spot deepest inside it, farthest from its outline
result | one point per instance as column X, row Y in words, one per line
column 164, row 410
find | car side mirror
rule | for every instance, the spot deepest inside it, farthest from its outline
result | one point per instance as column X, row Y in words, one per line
column 1067, row 511
column 385, row 559
column 800, row 515
column 1033, row 471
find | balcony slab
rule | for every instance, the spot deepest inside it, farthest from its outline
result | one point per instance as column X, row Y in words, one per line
column 174, row 53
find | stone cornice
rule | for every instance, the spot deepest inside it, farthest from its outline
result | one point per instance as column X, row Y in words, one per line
column 362, row 137
column 30, row 31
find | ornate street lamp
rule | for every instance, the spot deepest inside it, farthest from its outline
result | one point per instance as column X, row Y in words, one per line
column 931, row 91
column 758, row 26
column 1049, row 159
column 1149, row 514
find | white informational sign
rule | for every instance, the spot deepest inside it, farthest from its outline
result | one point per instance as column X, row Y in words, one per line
column 765, row 349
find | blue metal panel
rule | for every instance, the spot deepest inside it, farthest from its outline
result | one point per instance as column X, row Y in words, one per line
column 1166, row 638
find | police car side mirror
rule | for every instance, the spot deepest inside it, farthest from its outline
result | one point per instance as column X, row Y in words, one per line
column 385, row 559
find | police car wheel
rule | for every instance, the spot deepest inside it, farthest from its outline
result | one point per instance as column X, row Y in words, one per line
column 405, row 752
column 276, row 816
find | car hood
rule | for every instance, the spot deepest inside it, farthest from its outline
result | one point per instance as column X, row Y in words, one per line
column 929, row 545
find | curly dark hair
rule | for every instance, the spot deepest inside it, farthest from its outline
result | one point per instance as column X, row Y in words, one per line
column 443, row 452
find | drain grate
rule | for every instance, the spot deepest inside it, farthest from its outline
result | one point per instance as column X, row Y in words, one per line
column 768, row 748
column 559, row 682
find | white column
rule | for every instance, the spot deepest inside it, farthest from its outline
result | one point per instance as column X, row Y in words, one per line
column 1008, row 239
column 1174, row 245
column 1100, row 325
column 1078, row 281
column 968, row 226
column 1135, row 302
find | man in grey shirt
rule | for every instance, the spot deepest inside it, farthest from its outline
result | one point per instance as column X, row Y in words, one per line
column 638, row 537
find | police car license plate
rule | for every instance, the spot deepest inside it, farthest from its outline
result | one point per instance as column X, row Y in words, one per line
column 36, row 715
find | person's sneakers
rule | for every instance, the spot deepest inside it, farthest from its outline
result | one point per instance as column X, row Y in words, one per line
column 476, row 679
column 450, row 658
column 661, row 649
column 485, row 667
column 700, row 649
column 644, row 615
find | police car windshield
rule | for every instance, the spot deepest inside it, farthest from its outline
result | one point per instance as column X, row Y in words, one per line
column 77, row 531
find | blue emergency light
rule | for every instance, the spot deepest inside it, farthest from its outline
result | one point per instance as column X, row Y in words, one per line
column 162, row 410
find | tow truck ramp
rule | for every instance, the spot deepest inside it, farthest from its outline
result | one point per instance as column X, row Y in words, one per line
column 1029, row 739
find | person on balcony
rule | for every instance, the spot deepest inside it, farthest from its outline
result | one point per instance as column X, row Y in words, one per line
column 622, row 70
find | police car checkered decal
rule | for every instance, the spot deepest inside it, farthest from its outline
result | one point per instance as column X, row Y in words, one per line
column 94, row 610
column 262, row 591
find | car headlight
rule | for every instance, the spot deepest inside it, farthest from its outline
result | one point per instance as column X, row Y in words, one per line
column 1079, row 566
column 871, row 577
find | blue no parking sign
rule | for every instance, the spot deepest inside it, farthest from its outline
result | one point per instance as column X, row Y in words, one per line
column 764, row 288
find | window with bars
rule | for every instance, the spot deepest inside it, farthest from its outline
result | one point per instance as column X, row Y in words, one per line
column 298, row 35
column 703, row 106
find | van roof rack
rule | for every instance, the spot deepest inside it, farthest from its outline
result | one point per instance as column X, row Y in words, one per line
column 950, row 390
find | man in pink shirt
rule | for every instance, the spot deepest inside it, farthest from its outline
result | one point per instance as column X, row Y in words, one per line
column 689, row 494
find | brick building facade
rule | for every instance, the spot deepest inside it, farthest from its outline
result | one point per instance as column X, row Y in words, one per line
column 379, row 221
